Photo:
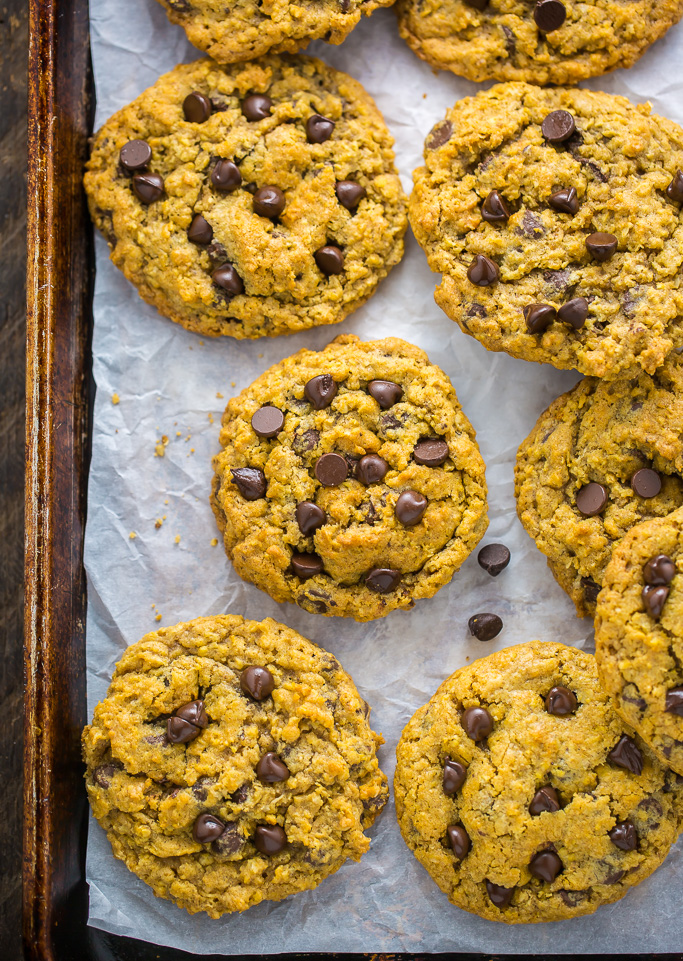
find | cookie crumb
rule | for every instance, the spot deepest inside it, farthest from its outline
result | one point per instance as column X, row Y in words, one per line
column 115, row 399
column 158, row 522
column 219, row 395
column 214, row 541
column 158, row 617
column 132, row 536
column 177, row 538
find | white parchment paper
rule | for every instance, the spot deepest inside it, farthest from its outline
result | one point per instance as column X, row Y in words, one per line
column 170, row 383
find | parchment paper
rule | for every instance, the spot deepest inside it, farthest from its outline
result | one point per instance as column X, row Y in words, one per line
column 170, row 383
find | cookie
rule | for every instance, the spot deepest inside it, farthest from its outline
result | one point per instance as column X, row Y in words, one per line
column 250, row 200
column 230, row 33
column 603, row 457
column 523, row 794
column 231, row 763
column 639, row 634
column 556, row 217
column 551, row 41
column 349, row 480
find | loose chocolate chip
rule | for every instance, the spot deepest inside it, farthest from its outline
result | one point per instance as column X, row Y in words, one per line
column 207, row 828
column 459, row 840
column 494, row 558
column 591, row 499
column 675, row 189
column 654, row 599
column 674, row 701
column 560, row 701
column 624, row 836
column 485, row 626
column 539, row 317
column 410, row 508
column 590, row 589
column 196, row 107
column 269, row 202
column 494, row 209
column 228, row 279
column 330, row 259
column 454, row 774
column 331, row 470
column 148, row 187
column 659, row 570
column 646, row 482
column 256, row 106
column 257, row 682
column 268, row 421
column 250, row 481
column 601, row 246
column 229, row 842
column 200, row 230
column 371, row 469
column 306, row 565
column 545, row 866
column 565, row 200
column 431, row 453
column 499, row 895
column 320, row 391
column 382, row 580
column 558, row 126
column 574, row 312
column 625, row 754
column 477, row 723
column 549, row 15
column 226, row 176
column 482, row 271
column 545, row 799
column 385, row 392
column 349, row 194
column 439, row 135
column 135, row 155
column 270, row 769
column 269, row 838
column 309, row 517
column 319, row 129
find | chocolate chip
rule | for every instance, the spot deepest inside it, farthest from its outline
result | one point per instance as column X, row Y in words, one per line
column 482, row 271
column 454, row 774
column 410, row 508
column 200, row 788
column 269, row 838
column 269, row 202
column 148, row 187
column 545, row 799
column 574, row 312
column 624, row 836
column 306, row 565
column 601, row 246
column 614, row 877
column 654, row 599
column 385, row 392
column 320, row 391
column 477, row 4
column 530, row 226
column 226, row 176
column 494, row 558
column 485, row 626
column 319, row 129
column 309, row 517
column 230, row 841
column 103, row 774
column 196, row 107
column 539, row 317
column 349, row 194
column 459, row 840
column 268, row 421
column 646, row 482
column 560, row 701
column 625, row 754
column 431, row 453
column 382, row 580
column 477, row 723
column 565, row 200
column 674, row 701
column 545, row 866
column 200, row 230
column 270, row 769
column 331, row 470
column 590, row 589
column 179, row 731
column 675, row 189
column 250, row 481
column 659, row 570
column 439, row 135
column 494, row 209
column 572, row 898
column 227, row 278
column 193, row 712
column 256, row 106
column 135, row 155
column 558, row 126
column 330, row 259
column 549, row 15
column 257, row 682
column 306, row 440
column 499, row 895
column 207, row 828
column 371, row 469
column 591, row 499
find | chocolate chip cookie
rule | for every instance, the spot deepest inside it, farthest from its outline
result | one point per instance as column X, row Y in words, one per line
column 549, row 41
column 524, row 795
column 349, row 480
column 250, row 200
column 603, row 457
column 555, row 217
column 231, row 763
column 639, row 634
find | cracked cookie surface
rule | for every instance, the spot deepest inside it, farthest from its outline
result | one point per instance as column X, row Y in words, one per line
column 639, row 649
column 588, row 227
column 283, row 761
column 370, row 494
column 235, row 222
column 542, row 819
column 589, row 450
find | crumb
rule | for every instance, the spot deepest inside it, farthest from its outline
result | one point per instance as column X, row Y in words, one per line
column 166, row 502
column 115, row 399
column 117, row 430
column 158, row 617
column 179, row 433
column 219, row 395
column 132, row 536
column 160, row 446
column 153, row 606
column 177, row 538
column 158, row 522
column 232, row 383
column 210, row 416
column 201, row 343
column 191, row 451
column 214, row 541
column 260, row 355
column 424, row 96
column 164, row 517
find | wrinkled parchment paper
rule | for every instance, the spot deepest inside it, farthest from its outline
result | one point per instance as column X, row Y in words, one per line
column 150, row 546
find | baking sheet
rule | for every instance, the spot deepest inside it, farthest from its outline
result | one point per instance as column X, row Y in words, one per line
column 150, row 536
